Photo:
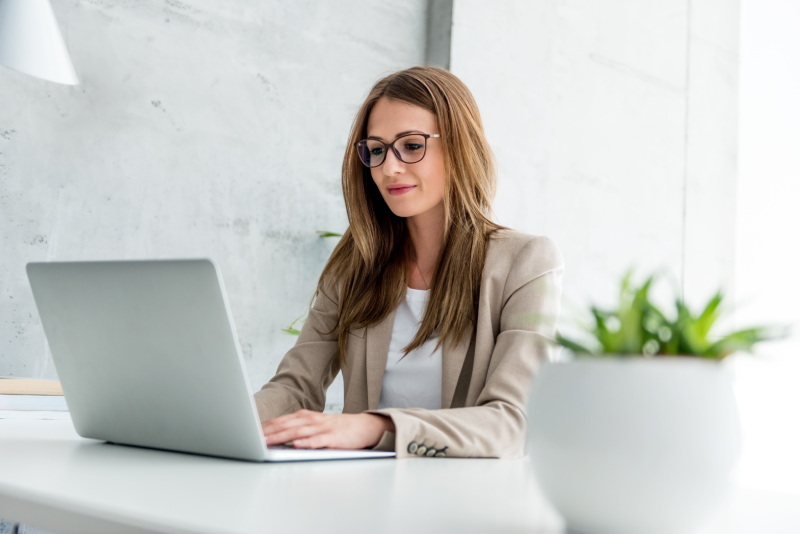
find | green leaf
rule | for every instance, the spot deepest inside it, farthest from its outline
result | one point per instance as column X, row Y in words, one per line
column 577, row 348
column 291, row 330
column 691, row 341
column 710, row 315
column 742, row 340
column 325, row 233
column 600, row 330
column 637, row 326
column 634, row 305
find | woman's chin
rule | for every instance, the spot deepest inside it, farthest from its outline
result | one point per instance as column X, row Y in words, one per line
column 407, row 213
column 406, row 209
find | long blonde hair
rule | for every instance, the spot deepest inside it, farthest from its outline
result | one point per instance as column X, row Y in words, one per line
column 369, row 267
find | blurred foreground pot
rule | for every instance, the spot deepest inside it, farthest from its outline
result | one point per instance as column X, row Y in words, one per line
column 634, row 445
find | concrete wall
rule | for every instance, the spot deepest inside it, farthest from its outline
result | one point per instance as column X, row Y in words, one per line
column 200, row 128
column 210, row 128
column 614, row 124
column 214, row 128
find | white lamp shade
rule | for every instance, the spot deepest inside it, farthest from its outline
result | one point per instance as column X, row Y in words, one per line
column 31, row 42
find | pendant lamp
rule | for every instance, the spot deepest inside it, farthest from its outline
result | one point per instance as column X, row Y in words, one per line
column 31, row 42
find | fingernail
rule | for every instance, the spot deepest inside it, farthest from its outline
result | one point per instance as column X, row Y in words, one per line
column 266, row 440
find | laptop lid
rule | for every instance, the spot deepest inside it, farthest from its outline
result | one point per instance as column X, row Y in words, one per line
column 147, row 354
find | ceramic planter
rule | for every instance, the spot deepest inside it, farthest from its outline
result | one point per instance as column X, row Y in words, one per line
column 634, row 445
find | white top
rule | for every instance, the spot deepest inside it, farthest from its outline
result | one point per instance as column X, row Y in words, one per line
column 414, row 381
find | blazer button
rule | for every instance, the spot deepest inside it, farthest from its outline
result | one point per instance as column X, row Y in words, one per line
column 430, row 452
column 421, row 450
column 412, row 447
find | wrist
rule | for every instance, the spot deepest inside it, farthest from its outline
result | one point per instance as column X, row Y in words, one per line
column 388, row 424
column 381, row 423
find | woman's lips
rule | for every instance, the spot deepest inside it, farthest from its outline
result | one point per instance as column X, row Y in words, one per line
column 400, row 189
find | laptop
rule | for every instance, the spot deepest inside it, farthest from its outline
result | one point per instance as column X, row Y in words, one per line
column 147, row 355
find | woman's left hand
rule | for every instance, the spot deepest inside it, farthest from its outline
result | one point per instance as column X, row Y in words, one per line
column 307, row 429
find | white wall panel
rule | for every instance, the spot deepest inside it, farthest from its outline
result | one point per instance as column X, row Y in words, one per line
column 711, row 150
column 585, row 104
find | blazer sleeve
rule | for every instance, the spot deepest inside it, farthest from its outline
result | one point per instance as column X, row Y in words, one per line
column 495, row 426
column 309, row 367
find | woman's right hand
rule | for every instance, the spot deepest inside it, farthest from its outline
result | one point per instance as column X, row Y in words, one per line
column 307, row 429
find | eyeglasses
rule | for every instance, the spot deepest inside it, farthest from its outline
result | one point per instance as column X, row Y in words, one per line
column 411, row 149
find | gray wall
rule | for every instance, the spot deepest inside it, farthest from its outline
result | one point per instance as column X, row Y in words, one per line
column 614, row 124
column 200, row 128
column 211, row 128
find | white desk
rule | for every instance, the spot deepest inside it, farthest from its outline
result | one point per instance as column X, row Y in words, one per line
column 52, row 479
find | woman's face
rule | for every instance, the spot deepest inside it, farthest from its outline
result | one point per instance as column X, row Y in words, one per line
column 409, row 189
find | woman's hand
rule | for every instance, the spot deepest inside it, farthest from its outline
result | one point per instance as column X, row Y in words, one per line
column 307, row 429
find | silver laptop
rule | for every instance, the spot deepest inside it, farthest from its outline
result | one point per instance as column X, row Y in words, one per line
column 147, row 354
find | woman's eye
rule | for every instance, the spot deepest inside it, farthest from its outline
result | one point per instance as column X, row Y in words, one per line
column 411, row 147
column 375, row 152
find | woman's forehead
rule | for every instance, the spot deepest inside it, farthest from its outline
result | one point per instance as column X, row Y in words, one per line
column 389, row 118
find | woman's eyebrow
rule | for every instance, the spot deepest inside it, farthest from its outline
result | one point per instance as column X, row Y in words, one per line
column 401, row 134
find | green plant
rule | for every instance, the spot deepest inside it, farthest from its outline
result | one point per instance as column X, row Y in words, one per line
column 638, row 326
column 291, row 330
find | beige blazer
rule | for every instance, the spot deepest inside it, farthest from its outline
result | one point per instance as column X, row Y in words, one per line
column 484, row 381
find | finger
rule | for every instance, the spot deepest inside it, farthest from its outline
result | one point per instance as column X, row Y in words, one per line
column 290, row 421
column 290, row 435
column 298, row 413
column 289, row 426
column 294, row 415
column 317, row 441
column 293, row 433
column 277, row 426
column 282, row 419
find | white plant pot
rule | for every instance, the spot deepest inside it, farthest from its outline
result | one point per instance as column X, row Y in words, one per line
column 634, row 445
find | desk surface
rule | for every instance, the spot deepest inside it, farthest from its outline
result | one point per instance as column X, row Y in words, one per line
column 52, row 479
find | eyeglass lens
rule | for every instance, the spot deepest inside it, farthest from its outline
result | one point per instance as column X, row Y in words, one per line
column 409, row 149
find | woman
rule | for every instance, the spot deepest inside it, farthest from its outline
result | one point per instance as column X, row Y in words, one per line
column 437, row 317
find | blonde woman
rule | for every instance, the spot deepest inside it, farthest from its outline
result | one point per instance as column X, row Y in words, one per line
column 437, row 317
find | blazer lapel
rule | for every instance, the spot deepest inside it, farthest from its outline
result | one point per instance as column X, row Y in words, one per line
column 452, row 361
column 378, row 338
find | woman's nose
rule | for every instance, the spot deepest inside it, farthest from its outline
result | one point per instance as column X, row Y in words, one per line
column 392, row 165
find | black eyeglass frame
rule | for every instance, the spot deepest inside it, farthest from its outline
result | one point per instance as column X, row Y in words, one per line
column 396, row 152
